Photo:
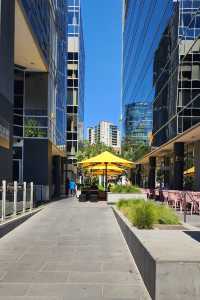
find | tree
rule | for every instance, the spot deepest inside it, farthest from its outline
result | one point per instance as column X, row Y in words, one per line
column 132, row 150
column 87, row 150
column 32, row 129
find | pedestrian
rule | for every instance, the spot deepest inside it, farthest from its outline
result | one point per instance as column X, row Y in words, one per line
column 72, row 187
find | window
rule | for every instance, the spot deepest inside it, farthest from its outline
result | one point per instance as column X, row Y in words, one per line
column 195, row 72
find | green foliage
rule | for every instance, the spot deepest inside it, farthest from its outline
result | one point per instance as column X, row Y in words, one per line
column 189, row 183
column 101, row 188
column 160, row 176
column 165, row 215
column 87, row 150
column 31, row 129
column 132, row 150
column 144, row 214
column 125, row 189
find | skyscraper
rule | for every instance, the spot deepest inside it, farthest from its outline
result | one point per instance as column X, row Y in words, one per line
column 7, row 8
column 75, row 81
column 36, row 47
column 161, row 65
column 177, row 74
column 136, row 113
column 138, row 121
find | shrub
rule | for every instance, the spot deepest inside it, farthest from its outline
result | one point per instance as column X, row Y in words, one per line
column 125, row 189
column 101, row 188
column 144, row 214
column 165, row 215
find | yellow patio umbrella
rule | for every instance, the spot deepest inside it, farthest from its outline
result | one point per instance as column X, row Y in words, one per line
column 106, row 159
column 190, row 171
column 100, row 167
column 100, row 170
column 109, row 172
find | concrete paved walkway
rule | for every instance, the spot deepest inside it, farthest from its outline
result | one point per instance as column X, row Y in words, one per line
column 68, row 251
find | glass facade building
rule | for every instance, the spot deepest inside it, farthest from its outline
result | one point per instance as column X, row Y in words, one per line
column 161, row 62
column 48, row 118
column 138, row 121
column 75, row 81
column 40, row 93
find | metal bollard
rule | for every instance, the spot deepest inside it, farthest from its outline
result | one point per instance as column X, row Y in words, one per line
column 3, row 204
column 24, row 197
column 31, row 197
column 15, row 199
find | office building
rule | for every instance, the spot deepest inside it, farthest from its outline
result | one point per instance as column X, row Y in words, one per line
column 177, row 74
column 34, row 78
column 106, row 133
column 75, row 82
column 7, row 8
column 161, row 58
column 138, row 121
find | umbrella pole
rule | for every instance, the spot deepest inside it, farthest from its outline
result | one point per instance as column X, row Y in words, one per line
column 106, row 186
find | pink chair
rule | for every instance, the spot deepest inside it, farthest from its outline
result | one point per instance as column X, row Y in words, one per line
column 165, row 196
column 188, row 199
column 196, row 199
column 175, row 199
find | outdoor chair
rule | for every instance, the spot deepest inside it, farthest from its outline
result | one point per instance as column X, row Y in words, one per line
column 188, row 200
column 164, row 195
column 196, row 199
column 157, row 194
column 175, row 199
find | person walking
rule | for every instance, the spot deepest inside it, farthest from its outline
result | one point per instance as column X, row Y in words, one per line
column 72, row 187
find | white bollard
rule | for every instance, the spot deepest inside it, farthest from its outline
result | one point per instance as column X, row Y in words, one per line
column 31, row 197
column 15, row 199
column 24, row 197
column 3, row 204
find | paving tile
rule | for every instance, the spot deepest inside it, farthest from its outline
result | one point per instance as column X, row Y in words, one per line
column 69, row 251
column 73, row 266
column 30, row 298
column 12, row 289
column 24, row 276
column 134, row 292
column 68, row 291
column 104, row 277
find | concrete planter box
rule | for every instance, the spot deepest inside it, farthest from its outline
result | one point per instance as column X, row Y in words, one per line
column 115, row 197
column 168, row 260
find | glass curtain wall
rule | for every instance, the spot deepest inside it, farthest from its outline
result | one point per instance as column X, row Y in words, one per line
column 48, row 23
column 75, row 81
column 161, row 62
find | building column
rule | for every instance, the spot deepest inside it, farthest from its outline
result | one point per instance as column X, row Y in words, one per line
column 197, row 165
column 166, row 172
column 57, row 175
column 178, row 166
column 152, row 172
column 138, row 175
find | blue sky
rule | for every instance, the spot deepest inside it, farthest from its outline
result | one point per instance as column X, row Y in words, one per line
column 102, row 35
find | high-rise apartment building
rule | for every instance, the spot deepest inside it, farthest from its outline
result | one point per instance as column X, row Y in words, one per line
column 34, row 50
column 138, row 121
column 91, row 135
column 75, row 82
column 106, row 133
